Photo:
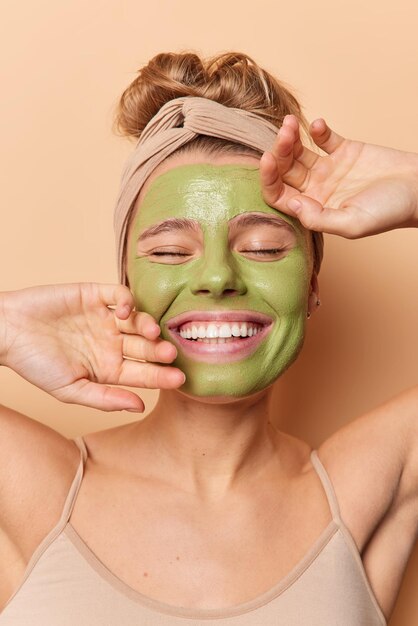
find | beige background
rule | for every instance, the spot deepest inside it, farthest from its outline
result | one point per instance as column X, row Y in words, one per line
column 64, row 64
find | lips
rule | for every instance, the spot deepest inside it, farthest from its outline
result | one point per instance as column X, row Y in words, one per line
column 219, row 350
column 237, row 315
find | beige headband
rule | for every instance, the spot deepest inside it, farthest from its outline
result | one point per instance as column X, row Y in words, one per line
column 176, row 123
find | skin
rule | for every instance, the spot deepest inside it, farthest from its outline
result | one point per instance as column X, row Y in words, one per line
column 215, row 459
column 225, row 266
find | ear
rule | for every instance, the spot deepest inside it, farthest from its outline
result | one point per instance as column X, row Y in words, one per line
column 313, row 293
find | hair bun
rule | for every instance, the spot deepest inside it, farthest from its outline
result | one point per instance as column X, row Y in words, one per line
column 230, row 78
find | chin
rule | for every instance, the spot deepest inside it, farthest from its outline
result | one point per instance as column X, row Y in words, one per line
column 218, row 397
column 224, row 383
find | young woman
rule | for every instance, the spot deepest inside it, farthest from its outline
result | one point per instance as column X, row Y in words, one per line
column 204, row 512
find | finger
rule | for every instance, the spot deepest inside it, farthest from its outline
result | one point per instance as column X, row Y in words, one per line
column 139, row 323
column 304, row 155
column 291, row 170
column 283, row 146
column 149, row 376
column 284, row 141
column 135, row 347
column 345, row 221
column 99, row 396
column 117, row 295
column 272, row 185
column 275, row 164
column 291, row 122
column 124, row 303
column 324, row 137
column 274, row 191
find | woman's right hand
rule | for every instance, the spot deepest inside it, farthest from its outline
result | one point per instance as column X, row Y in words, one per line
column 67, row 341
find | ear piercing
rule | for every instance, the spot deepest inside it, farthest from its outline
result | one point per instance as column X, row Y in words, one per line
column 308, row 314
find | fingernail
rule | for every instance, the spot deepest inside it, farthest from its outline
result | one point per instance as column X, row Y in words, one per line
column 317, row 123
column 133, row 410
column 294, row 204
column 122, row 311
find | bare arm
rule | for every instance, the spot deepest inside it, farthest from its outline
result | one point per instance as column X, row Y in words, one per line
column 407, row 410
column 371, row 464
column 354, row 190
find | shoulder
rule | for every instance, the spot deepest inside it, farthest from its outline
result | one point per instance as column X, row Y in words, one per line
column 373, row 464
column 37, row 467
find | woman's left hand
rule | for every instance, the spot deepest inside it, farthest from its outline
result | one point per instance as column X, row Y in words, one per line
column 356, row 189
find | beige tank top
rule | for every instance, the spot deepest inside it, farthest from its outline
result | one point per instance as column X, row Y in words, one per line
column 65, row 584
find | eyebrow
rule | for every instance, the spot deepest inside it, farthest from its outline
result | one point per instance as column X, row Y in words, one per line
column 169, row 225
column 246, row 220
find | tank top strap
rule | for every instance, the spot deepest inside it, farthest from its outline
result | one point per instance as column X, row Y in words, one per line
column 328, row 487
column 65, row 515
column 75, row 485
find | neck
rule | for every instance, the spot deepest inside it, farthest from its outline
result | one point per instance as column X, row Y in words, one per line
column 211, row 449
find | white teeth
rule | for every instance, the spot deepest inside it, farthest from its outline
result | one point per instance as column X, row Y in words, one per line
column 212, row 331
column 224, row 331
column 236, row 330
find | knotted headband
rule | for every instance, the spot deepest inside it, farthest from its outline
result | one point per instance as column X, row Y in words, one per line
column 176, row 123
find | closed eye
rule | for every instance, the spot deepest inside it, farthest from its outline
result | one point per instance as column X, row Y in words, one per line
column 158, row 253
column 175, row 256
column 263, row 251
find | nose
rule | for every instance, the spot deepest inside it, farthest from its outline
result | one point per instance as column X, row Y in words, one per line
column 217, row 276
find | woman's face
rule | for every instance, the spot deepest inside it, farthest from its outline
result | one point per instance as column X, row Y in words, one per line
column 225, row 275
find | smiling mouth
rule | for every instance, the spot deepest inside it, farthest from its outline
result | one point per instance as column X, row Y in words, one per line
column 219, row 336
column 218, row 332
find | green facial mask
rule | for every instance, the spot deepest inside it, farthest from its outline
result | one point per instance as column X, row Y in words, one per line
column 220, row 274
